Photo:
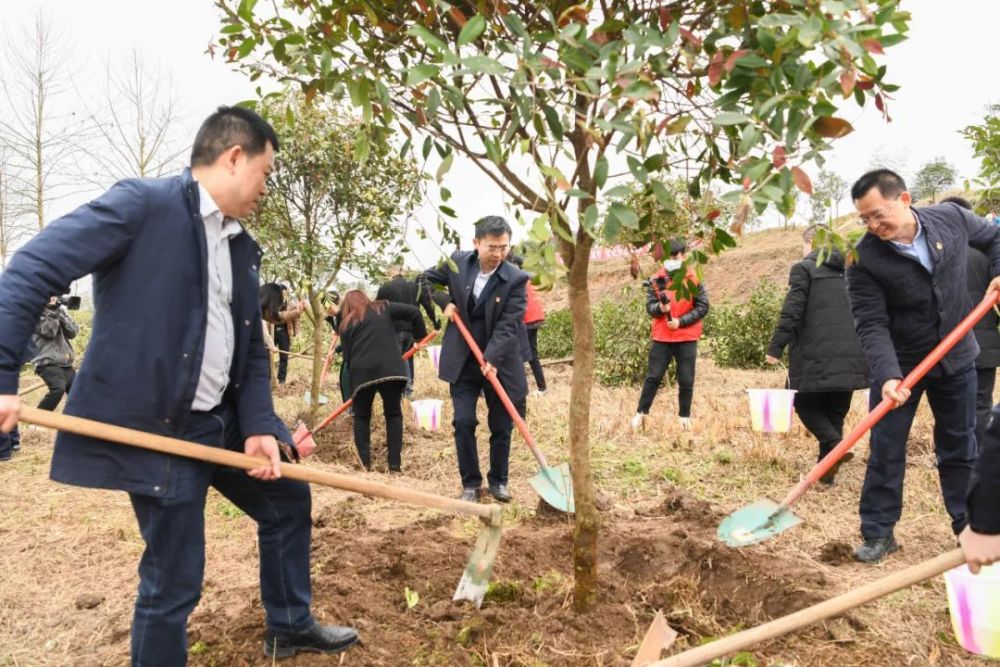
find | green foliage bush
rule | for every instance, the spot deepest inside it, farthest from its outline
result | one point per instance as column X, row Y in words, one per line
column 621, row 337
column 738, row 334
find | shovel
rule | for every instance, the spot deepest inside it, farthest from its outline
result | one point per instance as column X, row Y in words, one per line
column 327, row 360
column 303, row 437
column 477, row 571
column 765, row 518
column 706, row 653
column 554, row 485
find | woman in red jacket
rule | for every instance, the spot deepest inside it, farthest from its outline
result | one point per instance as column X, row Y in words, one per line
column 675, row 331
column 534, row 318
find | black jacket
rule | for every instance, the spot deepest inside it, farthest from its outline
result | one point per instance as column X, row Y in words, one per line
column 401, row 290
column 507, row 348
column 371, row 349
column 816, row 325
column 983, row 506
column 901, row 311
column 986, row 332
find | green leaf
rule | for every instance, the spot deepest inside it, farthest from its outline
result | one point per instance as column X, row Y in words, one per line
column 420, row 73
column 625, row 215
column 427, row 37
column 552, row 119
column 361, row 146
column 444, row 166
column 590, row 217
column 246, row 47
column 601, row 171
column 637, row 169
column 810, row 31
column 663, row 196
column 484, row 65
column 618, row 191
column 412, row 598
column 730, row 118
column 474, row 27
column 426, row 149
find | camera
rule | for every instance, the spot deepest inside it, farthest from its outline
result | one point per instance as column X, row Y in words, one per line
column 71, row 302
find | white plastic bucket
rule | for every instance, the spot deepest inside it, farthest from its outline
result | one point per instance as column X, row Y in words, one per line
column 434, row 352
column 771, row 409
column 974, row 602
column 427, row 413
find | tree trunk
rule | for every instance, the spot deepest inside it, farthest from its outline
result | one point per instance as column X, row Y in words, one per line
column 319, row 325
column 587, row 520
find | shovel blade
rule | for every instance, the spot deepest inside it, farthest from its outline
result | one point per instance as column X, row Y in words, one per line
column 755, row 523
column 304, row 443
column 478, row 570
column 555, row 486
column 659, row 637
column 307, row 397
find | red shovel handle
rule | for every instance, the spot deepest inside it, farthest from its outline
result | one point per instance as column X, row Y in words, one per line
column 343, row 408
column 886, row 405
column 514, row 414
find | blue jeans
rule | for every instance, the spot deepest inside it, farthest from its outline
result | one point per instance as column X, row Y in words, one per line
column 953, row 403
column 173, row 563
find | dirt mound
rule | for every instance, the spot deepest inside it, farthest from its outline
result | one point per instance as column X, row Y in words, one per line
column 836, row 553
column 665, row 560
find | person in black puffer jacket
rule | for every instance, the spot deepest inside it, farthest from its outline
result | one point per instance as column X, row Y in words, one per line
column 371, row 351
column 826, row 363
column 986, row 331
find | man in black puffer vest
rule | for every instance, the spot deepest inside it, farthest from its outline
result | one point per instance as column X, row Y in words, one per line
column 907, row 292
column 825, row 361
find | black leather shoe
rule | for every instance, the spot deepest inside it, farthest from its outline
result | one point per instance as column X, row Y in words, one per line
column 500, row 493
column 317, row 639
column 470, row 495
column 875, row 549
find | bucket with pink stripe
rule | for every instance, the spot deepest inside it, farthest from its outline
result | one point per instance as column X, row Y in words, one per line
column 771, row 409
column 974, row 601
column 427, row 413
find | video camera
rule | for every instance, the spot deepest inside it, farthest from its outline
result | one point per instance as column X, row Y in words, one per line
column 71, row 302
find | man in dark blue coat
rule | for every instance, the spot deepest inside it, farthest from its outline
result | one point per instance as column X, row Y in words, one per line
column 176, row 350
column 489, row 295
column 907, row 292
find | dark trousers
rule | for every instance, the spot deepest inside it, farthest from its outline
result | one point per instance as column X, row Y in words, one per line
column 284, row 343
column 392, row 399
column 406, row 341
column 464, row 396
column 59, row 380
column 8, row 443
column 953, row 402
column 986, row 379
column 823, row 414
column 660, row 355
column 535, row 363
column 173, row 563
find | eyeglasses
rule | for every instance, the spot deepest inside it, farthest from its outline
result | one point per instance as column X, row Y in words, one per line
column 496, row 249
column 878, row 216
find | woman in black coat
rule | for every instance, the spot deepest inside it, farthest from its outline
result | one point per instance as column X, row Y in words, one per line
column 371, row 351
column 826, row 363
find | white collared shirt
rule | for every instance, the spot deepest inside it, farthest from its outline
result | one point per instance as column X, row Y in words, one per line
column 481, row 281
column 220, row 339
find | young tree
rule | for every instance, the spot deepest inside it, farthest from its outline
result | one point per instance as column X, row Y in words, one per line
column 985, row 140
column 545, row 98
column 327, row 212
column 39, row 137
column 932, row 178
column 829, row 190
column 11, row 227
column 135, row 123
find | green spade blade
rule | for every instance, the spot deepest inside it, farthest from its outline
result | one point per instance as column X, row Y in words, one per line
column 755, row 523
column 555, row 486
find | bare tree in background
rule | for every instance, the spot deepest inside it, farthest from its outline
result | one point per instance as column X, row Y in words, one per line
column 135, row 123
column 12, row 227
column 40, row 138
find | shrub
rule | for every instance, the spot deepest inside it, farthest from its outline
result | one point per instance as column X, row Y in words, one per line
column 555, row 338
column 738, row 334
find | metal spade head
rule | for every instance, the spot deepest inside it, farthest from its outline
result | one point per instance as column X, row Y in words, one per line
column 555, row 486
column 307, row 397
column 478, row 570
column 755, row 523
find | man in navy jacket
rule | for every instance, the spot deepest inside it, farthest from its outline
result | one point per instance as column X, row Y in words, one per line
column 907, row 292
column 176, row 350
column 488, row 294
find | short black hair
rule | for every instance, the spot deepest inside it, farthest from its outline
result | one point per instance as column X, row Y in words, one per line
column 492, row 225
column 890, row 184
column 810, row 233
column 228, row 127
column 961, row 201
column 677, row 246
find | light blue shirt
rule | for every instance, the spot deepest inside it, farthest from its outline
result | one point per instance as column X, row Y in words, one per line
column 919, row 249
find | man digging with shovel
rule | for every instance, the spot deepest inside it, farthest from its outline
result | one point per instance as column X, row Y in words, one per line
column 176, row 350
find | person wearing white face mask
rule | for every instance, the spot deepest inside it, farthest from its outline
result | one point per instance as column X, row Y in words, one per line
column 676, row 329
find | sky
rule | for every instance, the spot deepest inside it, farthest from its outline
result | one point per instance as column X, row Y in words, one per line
column 946, row 70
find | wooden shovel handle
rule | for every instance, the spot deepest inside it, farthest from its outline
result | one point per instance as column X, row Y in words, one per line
column 832, row 607
column 177, row 447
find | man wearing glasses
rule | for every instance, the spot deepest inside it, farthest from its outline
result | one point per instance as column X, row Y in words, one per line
column 488, row 293
column 907, row 292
